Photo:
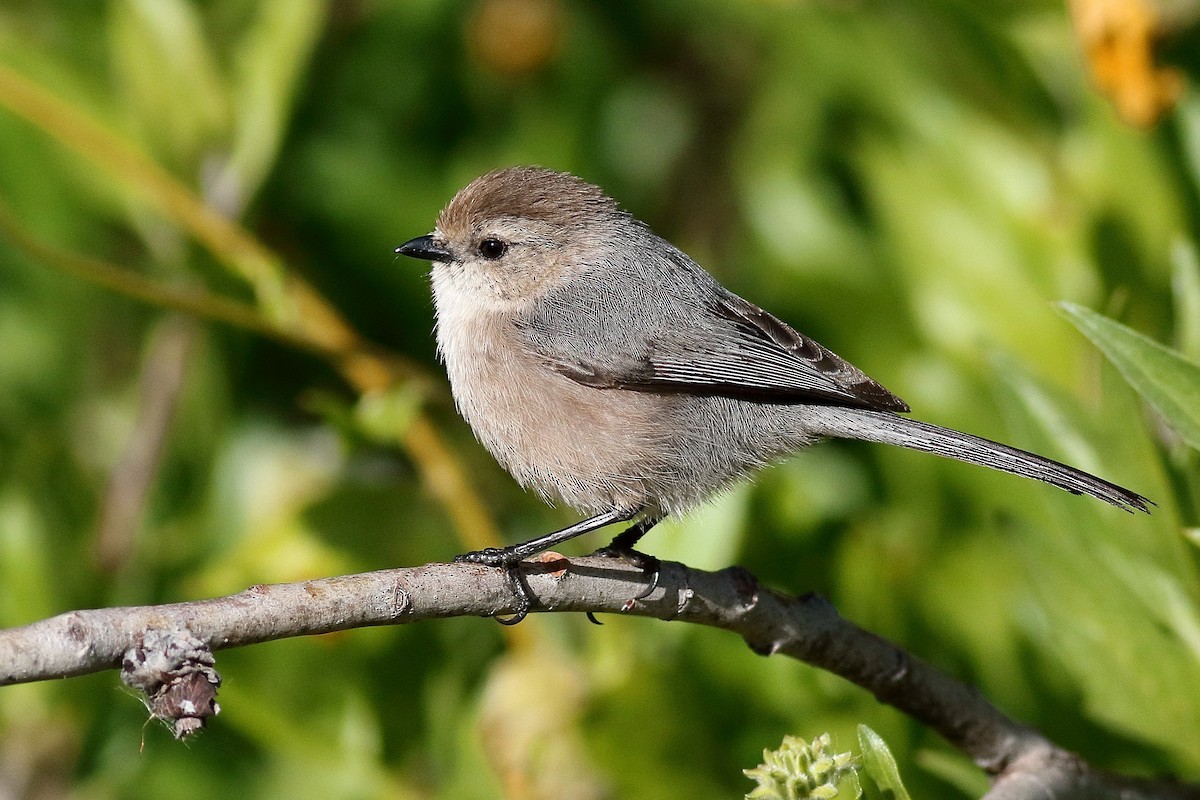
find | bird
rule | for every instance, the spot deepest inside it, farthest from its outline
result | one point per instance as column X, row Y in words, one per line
column 608, row 371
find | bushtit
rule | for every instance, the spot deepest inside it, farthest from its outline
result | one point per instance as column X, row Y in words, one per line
column 606, row 369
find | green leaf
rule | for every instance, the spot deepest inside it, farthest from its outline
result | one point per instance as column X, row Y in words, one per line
column 879, row 766
column 1185, row 286
column 269, row 62
column 170, row 83
column 1165, row 379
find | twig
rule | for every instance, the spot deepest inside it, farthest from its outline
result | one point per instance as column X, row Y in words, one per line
column 1024, row 763
column 197, row 302
column 134, row 473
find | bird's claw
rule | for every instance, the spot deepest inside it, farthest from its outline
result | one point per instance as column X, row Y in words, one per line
column 522, row 599
column 648, row 564
column 501, row 558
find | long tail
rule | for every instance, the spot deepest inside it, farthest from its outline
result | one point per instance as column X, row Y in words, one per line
column 888, row 428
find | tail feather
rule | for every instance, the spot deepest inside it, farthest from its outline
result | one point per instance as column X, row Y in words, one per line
column 888, row 428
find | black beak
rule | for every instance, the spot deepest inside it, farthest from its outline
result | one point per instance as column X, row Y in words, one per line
column 423, row 247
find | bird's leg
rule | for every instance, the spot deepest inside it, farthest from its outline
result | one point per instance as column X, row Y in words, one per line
column 622, row 544
column 622, row 547
column 508, row 558
column 515, row 553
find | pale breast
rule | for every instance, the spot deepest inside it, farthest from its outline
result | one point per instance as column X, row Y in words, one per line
column 589, row 448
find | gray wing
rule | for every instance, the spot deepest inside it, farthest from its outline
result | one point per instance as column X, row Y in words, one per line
column 705, row 341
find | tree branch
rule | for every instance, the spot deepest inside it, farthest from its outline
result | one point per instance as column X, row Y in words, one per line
column 1024, row 763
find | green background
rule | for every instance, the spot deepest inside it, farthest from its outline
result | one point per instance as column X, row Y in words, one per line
column 915, row 185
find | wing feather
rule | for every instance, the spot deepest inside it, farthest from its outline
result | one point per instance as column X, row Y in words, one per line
column 736, row 349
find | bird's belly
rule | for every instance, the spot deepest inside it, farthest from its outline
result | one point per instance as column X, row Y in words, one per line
column 592, row 449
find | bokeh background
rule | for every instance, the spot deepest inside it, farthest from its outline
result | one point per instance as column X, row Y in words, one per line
column 200, row 203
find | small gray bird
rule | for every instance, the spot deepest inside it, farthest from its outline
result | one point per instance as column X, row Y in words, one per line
column 604, row 368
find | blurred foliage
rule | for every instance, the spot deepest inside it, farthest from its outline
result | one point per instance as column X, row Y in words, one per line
column 913, row 184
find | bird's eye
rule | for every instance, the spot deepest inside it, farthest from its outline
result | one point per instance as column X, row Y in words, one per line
column 491, row 249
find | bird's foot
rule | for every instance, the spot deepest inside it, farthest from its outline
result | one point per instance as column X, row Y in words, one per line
column 648, row 564
column 511, row 564
column 489, row 556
